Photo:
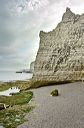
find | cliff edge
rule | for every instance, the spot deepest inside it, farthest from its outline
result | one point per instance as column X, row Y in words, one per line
column 61, row 52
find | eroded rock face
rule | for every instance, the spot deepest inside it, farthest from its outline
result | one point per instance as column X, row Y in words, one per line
column 32, row 66
column 61, row 51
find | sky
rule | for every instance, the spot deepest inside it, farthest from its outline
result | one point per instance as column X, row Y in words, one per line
column 20, row 24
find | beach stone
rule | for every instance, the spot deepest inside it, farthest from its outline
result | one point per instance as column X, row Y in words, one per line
column 54, row 92
column 60, row 55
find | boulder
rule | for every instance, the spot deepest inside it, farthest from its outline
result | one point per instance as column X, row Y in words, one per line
column 54, row 92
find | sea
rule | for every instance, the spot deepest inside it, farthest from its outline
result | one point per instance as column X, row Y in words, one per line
column 7, row 76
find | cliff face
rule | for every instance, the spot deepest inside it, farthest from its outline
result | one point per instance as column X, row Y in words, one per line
column 61, row 51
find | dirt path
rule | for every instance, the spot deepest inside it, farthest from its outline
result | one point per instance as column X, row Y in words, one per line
column 64, row 111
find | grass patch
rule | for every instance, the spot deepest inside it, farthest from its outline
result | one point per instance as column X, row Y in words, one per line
column 25, row 85
column 19, row 106
column 17, row 99
column 12, row 117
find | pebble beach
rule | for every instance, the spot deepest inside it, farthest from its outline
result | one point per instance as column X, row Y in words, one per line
column 63, row 111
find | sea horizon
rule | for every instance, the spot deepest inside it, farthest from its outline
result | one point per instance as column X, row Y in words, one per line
column 7, row 76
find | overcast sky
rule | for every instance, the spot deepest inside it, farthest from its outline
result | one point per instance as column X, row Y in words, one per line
column 20, row 24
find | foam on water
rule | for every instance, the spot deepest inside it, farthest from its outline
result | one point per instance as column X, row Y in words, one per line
column 10, row 91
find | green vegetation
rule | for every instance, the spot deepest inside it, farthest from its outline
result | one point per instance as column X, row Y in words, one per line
column 17, row 99
column 18, row 106
column 25, row 85
column 14, row 116
column 54, row 92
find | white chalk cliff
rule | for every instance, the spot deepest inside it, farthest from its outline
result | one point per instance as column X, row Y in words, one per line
column 61, row 51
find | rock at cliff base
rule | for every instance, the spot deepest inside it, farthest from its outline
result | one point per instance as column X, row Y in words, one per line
column 54, row 92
